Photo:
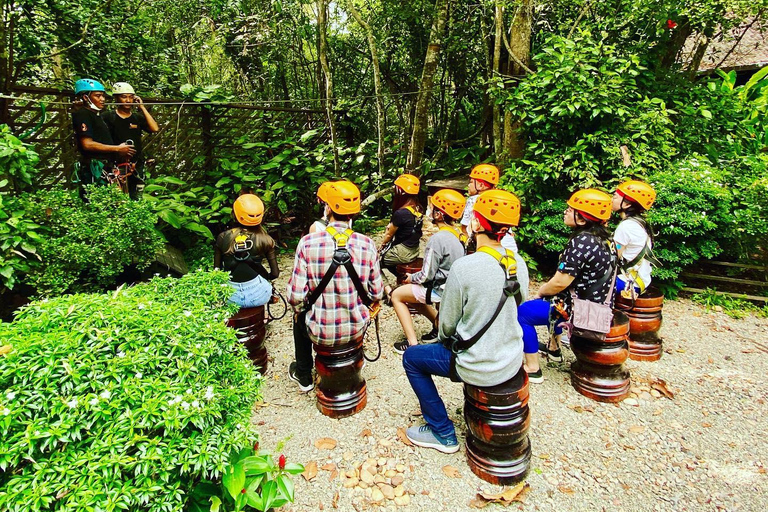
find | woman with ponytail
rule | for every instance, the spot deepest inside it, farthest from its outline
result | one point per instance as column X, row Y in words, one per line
column 584, row 264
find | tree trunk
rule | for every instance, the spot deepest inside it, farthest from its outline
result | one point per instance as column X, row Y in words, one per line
column 6, row 34
column 497, row 37
column 676, row 43
column 520, row 47
column 701, row 49
column 420, row 119
column 322, row 50
column 380, row 120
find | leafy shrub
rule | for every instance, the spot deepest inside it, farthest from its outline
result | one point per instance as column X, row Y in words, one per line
column 691, row 215
column 87, row 245
column 19, row 239
column 122, row 401
column 542, row 232
column 731, row 306
column 17, row 160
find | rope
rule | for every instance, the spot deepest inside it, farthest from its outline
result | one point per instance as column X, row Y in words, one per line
column 230, row 102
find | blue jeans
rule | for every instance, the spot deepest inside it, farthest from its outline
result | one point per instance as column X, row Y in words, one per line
column 421, row 362
column 530, row 314
column 251, row 294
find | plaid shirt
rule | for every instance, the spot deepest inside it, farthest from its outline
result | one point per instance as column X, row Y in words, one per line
column 339, row 315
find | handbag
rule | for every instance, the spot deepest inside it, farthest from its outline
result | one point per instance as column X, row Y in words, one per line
column 592, row 320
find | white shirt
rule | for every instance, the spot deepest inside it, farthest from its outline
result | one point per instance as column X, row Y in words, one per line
column 631, row 236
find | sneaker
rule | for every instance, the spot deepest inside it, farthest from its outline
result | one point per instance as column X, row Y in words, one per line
column 552, row 355
column 305, row 384
column 431, row 336
column 536, row 377
column 424, row 437
column 401, row 346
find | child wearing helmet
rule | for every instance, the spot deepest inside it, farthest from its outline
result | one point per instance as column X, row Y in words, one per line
column 335, row 314
column 425, row 287
column 241, row 251
column 634, row 237
column 477, row 309
column 401, row 238
column 483, row 177
column 584, row 264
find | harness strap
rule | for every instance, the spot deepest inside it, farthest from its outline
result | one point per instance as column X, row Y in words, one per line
column 511, row 288
column 461, row 236
column 341, row 257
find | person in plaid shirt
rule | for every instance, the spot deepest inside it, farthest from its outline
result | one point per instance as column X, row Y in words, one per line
column 339, row 315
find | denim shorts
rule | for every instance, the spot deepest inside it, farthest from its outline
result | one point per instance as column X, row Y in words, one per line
column 251, row 294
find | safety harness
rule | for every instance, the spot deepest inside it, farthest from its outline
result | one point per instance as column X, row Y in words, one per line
column 430, row 285
column 511, row 289
column 417, row 224
column 342, row 258
column 646, row 253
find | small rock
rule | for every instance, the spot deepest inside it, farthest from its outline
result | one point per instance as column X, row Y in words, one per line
column 387, row 491
column 347, row 456
column 385, row 442
column 363, row 485
column 655, row 394
column 390, row 473
column 403, row 501
column 400, row 468
column 399, row 490
column 366, row 477
column 350, row 482
column 397, row 480
column 382, row 461
column 631, row 401
column 377, row 495
column 350, row 474
column 379, row 479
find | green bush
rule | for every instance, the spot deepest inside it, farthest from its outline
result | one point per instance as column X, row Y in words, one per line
column 122, row 401
column 17, row 161
column 87, row 245
column 19, row 240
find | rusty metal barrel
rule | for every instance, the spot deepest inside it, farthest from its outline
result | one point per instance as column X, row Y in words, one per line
column 498, row 448
column 644, row 324
column 341, row 391
column 251, row 330
column 599, row 372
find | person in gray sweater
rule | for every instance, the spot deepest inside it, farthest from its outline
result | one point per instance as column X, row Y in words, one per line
column 425, row 287
column 472, row 294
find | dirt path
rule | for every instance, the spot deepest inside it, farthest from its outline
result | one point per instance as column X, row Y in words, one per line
column 704, row 449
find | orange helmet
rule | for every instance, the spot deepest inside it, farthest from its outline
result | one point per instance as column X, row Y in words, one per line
column 449, row 201
column 322, row 191
column 343, row 197
column 639, row 192
column 409, row 183
column 249, row 210
column 499, row 206
column 485, row 172
column 593, row 202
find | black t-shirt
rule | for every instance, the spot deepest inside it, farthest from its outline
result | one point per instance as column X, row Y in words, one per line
column 407, row 232
column 588, row 258
column 128, row 128
column 87, row 123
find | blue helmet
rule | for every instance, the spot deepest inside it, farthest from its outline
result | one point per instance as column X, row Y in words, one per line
column 85, row 85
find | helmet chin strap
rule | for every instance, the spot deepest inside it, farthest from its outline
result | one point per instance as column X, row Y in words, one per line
column 90, row 103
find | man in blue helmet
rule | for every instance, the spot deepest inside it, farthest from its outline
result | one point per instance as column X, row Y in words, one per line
column 98, row 151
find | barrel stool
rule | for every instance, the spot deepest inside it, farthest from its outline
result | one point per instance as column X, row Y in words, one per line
column 251, row 331
column 498, row 448
column 341, row 391
column 599, row 372
column 644, row 323
column 409, row 268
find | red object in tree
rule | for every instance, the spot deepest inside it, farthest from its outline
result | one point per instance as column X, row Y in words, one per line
column 671, row 24
column 242, row 492
column 256, row 446
column 281, row 462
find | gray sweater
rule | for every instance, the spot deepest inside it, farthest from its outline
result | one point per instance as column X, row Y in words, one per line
column 471, row 295
column 442, row 250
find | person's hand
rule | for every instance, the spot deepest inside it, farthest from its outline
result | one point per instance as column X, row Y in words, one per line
column 407, row 279
column 125, row 150
column 137, row 100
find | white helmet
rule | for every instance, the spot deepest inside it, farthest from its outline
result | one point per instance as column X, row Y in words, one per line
column 122, row 88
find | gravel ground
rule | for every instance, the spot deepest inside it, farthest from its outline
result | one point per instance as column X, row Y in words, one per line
column 702, row 449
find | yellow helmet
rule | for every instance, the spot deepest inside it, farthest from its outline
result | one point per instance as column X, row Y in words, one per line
column 485, row 172
column 343, row 197
column 249, row 210
column 322, row 191
column 593, row 202
column 409, row 183
column 449, row 201
column 499, row 206
column 639, row 192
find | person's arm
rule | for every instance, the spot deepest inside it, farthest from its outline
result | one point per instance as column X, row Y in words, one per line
column 374, row 281
column 274, row 272
column 298, row 284
column 389, row 234
column 558, row 283
column 451, row 306
column 88, row 144
column 152, row 126
column 431, row 264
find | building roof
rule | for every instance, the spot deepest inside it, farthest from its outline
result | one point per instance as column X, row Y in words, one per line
column 744, row 47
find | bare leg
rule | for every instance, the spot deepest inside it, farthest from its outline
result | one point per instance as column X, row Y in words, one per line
column 400, row 300
column 426, row 311
column 531, row 362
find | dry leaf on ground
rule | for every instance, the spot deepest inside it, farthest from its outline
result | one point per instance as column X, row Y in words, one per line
column 661, row 386
column 451, row 472
column 329, row 467
column 507, row 496
column 310, row 471
column 404, row 438
column 366, row 432
column 636, row 429
column 565, row 490
column 325, row 443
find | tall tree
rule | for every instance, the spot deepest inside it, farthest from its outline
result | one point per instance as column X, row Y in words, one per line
column 519, row 48
column 327, row 78
column 421, row 114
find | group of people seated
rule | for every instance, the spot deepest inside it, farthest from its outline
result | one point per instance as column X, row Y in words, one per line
column 483, row 324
